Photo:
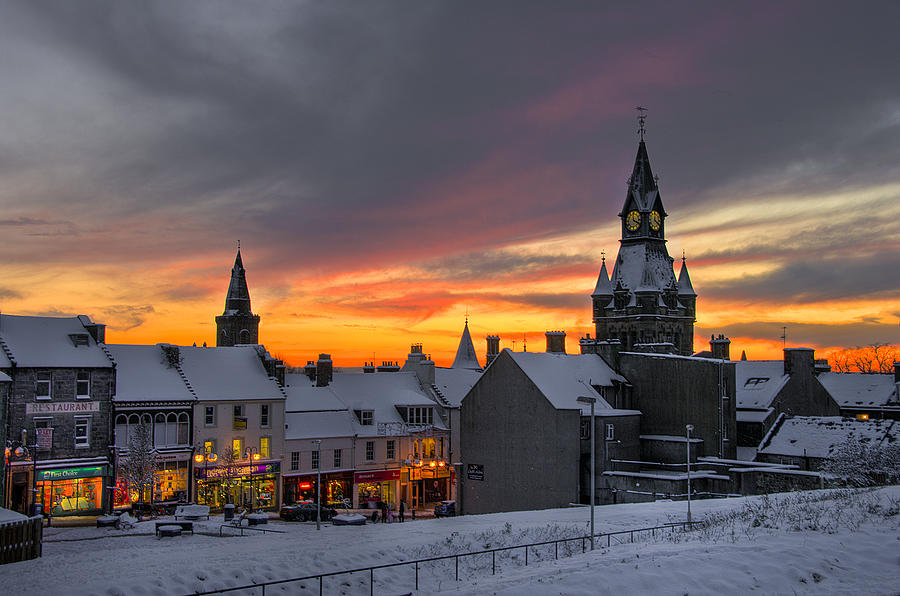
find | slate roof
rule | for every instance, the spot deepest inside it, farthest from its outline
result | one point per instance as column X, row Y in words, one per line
column 862, row 390
column 562, row 378
column 228, row 373
column 819, row 436
column 143, row 374
column 757, row 382
column 455, row 383
column 465, row 354
column 46, row 342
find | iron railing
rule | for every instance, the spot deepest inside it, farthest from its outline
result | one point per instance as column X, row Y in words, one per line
column 585, row 541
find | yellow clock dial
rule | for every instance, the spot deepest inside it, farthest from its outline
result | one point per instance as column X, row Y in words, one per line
column 655, row 220
column 633, row 220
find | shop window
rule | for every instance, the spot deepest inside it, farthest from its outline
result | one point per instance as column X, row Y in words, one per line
column 365, row 417
column 237, row 448
column 370, row 450
column 42, row 385
column 264, row 415
column 295, row 460
column 338, row 457
column 83, row 384
column 391, row 449
column 82, row 432
column 265, row 447
column 315, row 459
column 209, row 416
column 610, row 432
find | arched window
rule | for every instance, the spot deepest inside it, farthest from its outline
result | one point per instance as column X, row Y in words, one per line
column 244, row 337
column 183, row 428
column 172, row 429
column 159, row 431
column 133, row 422
column 121, row 430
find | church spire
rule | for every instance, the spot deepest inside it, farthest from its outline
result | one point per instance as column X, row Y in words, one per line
column 465, row 354
column 604, row 286
column 238, row 324
column 237, row 300
column 685, row 288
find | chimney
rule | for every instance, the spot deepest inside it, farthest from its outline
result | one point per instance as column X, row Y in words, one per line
column 556, row 342
column 798, row 360
column 493, row 348
column 388, row 366
column 97, row 330
column 369, row 367
column 425, row 371
column 822, row 365
column 172, row 355
column 323, row 370
column 720, row 347
column 609, row 351
column 310, row 370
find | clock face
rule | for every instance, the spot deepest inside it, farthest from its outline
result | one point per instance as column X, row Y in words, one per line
column 655, row 220
column 633, row 220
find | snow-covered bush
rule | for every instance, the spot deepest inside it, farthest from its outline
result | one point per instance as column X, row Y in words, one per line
column 857, row 463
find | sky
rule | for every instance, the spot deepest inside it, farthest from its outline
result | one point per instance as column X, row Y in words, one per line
column 390, row 167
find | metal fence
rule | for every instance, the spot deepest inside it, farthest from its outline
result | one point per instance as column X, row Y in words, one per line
column 611, row 538
column 21, row 540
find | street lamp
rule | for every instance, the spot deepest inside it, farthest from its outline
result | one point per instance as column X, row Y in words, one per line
column 205, row 458
column 688, row 430
column 592, row 402
column 252, row 455
column 318, row 443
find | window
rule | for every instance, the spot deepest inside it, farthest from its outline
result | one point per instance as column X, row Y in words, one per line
column 338, row 457
column 370, row 450
column 315, row 459
column 391, row 449
column 295, row 460
column 237, row 448
column 441, row 444
column 428, row 448
column 240, row 421
column 209, row 417
column 159, row 431
column 209, row 446
column 610, row 432
column 265, row 446
column 42, row 385
column 585, row 428
column 264, row 415
column 416, row 449
column 184, row 425
column 366, row 417
column 121, row 430
column 82, row 431
column 420, row 415
column 83, row 384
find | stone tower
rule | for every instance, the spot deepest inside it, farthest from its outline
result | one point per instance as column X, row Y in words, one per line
column 642, row 302
column 238, row 324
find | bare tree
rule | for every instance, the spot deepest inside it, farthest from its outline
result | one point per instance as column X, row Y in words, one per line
column 142, row 461
column 230, row 467
column 857, row 463
column 874, row 358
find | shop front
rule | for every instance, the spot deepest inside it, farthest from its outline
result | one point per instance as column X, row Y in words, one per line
column 170, row 482
column 72, row 491
column 336, row 488
column 244, row 485
column 428, row 485
column 377, row 486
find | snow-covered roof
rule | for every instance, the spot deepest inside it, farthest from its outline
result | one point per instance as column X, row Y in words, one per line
column 381, row 393
column 860, row 390
column 143, row 374
column 465, row 354
column 563, row 378
column 232, row 373
column 316, row 425
column 819, row 436
column 4, row 378
column 757, row 382
column 304, row 396
column 643, row 267
column 758, row 416
column 46, row 341
column 455, row 383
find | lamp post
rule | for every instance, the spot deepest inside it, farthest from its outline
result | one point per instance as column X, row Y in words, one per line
column 252, row 455
column 205, row 458
column 688, row 430
column 592, row 402
column 318, row 443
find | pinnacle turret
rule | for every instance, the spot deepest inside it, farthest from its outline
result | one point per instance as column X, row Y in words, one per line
column 465, row 354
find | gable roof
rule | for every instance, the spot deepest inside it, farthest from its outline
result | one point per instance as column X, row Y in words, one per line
column 819, row 436
column 143, row 374
column 861, row 389
column 302, row 395
column 757, row 382
column 465, row 354
column 4, row 378
column 562, row 378
column 228, row 373
column 46, row 341
column 454, row 383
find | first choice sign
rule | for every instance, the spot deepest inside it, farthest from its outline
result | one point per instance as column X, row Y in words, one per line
column 62, row 407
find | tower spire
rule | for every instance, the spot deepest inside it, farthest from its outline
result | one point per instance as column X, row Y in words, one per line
column 642, row 117
column 237, row 324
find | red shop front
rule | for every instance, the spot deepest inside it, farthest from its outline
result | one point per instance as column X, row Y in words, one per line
column 370, row 488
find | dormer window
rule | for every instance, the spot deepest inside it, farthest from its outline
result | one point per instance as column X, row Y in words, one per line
column 420, row 415
column 754, row 382
column 80, row 339
column 365, row 417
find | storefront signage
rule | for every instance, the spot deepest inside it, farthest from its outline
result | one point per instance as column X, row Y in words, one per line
column 68, row 474
column 44, row 437
column 62, row 407
column 475, row 471
column 238, row 470
column 379, row 476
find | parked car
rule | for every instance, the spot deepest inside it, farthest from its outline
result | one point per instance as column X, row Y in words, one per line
column 445, row 509
column 304, row 512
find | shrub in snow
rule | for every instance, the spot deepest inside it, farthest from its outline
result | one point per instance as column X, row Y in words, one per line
column 857, row 463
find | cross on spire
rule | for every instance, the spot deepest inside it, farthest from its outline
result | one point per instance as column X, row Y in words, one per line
column 642, row 117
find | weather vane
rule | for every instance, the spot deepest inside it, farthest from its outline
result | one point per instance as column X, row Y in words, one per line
column 603, row 255
column 239, row 245
column 642, row 117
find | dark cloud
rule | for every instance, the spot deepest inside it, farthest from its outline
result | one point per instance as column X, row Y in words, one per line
column 501, row 264
column 8, row 293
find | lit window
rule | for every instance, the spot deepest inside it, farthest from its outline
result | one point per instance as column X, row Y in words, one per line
column 338, row 456
column 428, row 448
column 82, row 432
column 264, row 415
column 370, row 450
column 209, row 447
column 295, row 460
column 42, row 385
column 264, row 443
column 237, row 448
column 391, row 449
column 83, row 384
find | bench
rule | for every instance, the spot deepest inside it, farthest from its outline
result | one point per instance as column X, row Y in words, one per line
column 185, row 526
column 168, row 530
column 192, row 511
column 257, row 519
column 236, row 525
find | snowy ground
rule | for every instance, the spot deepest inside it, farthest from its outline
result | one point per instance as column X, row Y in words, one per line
column 840, row 549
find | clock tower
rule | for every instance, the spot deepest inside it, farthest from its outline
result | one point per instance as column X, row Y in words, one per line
column 642, row 302
column 237, row 324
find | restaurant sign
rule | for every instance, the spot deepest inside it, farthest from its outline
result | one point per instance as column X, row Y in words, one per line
column 62, row 407
column 70, row 473
column 238, row 470
column 379, row 476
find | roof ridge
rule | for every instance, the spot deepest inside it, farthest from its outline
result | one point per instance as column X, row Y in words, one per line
column 7, row 351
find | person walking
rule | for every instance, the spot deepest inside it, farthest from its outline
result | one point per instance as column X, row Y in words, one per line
column 401, row 510
column 384, row 512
